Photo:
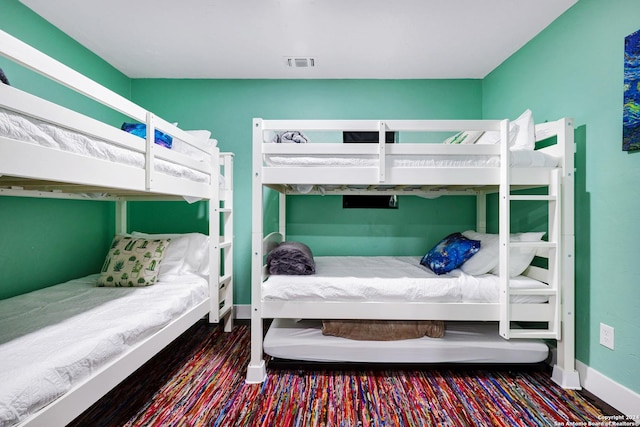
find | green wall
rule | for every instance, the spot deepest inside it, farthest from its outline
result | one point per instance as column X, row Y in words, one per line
column 42, row 241
column 575, row 68
column 227, row 108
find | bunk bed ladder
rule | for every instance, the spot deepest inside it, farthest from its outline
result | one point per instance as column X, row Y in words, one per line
column 224, row 250
column 550, row 249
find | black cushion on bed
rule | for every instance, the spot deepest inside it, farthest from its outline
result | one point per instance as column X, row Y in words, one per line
column 292, row 258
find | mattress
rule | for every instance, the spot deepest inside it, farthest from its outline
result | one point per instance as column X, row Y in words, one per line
column 390, row 279
column 54, row 338
column 518, row 158
column 464, row 342
column 28, row 129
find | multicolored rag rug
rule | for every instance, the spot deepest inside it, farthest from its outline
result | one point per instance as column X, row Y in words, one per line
column 199, row 381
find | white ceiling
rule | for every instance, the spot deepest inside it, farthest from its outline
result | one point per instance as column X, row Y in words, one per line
column 395, row 39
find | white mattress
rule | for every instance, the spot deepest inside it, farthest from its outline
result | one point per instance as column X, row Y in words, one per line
column 390, row 279
column 519, row 158
column 28, row 129
column 54, row 338
column 464, row 342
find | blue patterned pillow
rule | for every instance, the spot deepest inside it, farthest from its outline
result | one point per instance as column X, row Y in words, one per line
column 450, row 253
column 140, row 129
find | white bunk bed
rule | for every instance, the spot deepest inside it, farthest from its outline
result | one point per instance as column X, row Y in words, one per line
column 541, row 307
column 77, row 157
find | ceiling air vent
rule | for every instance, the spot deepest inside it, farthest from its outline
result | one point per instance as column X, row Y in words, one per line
column 300, row 62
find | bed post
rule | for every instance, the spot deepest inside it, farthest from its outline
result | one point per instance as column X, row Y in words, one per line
column 121, row 216
column 256, row 371
column 282, row 215
column 481, row 212
column 564, row 371
column 504, row 230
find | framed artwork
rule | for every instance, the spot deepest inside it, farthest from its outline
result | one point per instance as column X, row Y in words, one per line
column 631, row 108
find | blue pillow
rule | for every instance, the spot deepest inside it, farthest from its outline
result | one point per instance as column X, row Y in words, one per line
column 140, row 129
column 450, row 253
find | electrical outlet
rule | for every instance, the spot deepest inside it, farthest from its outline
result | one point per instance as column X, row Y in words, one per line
column 606, row 335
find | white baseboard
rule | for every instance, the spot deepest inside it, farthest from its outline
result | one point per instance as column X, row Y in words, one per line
column 242, row 311
column 620, row 397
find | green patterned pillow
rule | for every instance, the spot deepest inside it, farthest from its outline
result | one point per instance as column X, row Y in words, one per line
column 132, row 261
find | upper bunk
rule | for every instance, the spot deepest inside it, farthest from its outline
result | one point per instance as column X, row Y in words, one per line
column 318, row 162
column 47, row 150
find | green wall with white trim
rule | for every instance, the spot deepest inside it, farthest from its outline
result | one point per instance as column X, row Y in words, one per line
column 227, row 108
column 575, row 68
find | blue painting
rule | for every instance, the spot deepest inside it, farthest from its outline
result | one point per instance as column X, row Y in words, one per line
column 631, row 110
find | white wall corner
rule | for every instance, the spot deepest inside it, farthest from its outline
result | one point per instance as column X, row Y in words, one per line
column 620, row 397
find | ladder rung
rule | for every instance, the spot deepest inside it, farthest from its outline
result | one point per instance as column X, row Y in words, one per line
column 532, row 333
column 546, row 198
column 224, row 310
column 224, row 281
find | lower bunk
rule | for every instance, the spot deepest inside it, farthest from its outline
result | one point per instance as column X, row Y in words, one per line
column 379, row 293
column 463, row 342
column 64, row 347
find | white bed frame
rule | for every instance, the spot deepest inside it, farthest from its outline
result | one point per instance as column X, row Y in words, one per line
column 385, row 179
column 29, row 170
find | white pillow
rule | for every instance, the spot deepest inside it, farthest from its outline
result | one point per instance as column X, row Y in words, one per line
column 487, row 259
column 187, row 253
column 521, row 133
column 526, row 137
column 182, row 147
column 493, row 136
column 465, row 137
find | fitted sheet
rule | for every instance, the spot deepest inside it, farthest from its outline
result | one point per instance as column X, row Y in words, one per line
column 390, row 279
column 54, row 338
column 463, row 342
column 28, row 129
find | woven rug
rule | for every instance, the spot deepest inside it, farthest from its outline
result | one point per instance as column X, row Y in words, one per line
column 199, row 381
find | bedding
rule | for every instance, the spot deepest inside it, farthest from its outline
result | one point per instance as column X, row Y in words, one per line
column 390, row 279
column 202, row 136
column 291, row 258
column 518, row 158
column 54, row 338
column 35, row 131
column 450, row 253
column 464, row 342
column 290, row 137
column 382, row 330
column 140, row 130
column 188, row 253
column 133, row 261
column 464, row 137
column 487, row 260
column 3, row 77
